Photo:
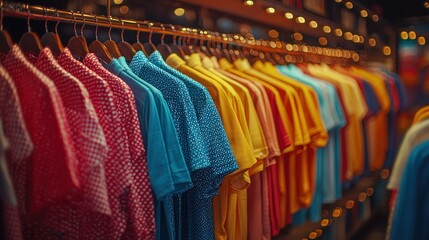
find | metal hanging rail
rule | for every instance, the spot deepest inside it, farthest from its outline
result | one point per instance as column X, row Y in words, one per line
column 50, row 14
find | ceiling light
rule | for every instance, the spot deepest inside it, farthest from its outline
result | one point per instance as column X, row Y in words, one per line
column 364, row 13
column 323, row 41
column 387, row 51
column 300, row 19
column 313, row 24
column 404, row 35
column 270, row 10
column 349, row 5
column 249, row 3
column 372, row 42
column 273, row 33
column 289, row 15
column 348, row 36
column 298, row 36
column 421, row 41
column 326, row 29
column 338, row 32
column 179, row 12
column 124, row 9
column 412, row 35
column 375, row 18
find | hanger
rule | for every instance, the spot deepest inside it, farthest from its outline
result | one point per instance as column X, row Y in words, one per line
column 149, row 47
column 111, row 45
column 5, row 39
column 225, row 52
column 137, row 45
column 163, row 48
column 231, row 52
column 279, row 59
column 82, row 37
column 52, row 39
column 125, row 48
column 202, row 48
column 185, row 49
column 77, row 46
column 192, row 45
column 30, row 42
column 175, row 48
column 218, row 47
column 98, row 47
column 211, row 44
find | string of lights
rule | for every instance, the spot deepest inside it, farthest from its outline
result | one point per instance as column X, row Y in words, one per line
column 329, row 29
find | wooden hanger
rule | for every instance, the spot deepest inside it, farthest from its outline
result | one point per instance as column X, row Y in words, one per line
column 175, row 48
column 211, row 44
column 125, row 48
column 5, row 39
column 111, row 45
column 76, row 45
column 98, row 47
column 163, row 48
column 52, row 39
column 185, row 49
column 218, row 52
column 30, row 42
column 225, row 52
column 149, row 47
column 137, row 45
column 203, row 48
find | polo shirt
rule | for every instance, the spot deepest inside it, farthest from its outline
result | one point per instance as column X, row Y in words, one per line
column 200, row 224
column 260, row 147
column 226, row 203
column 378, row 125
column 165, row 165
column 306, row 164
column 262, row 107
column 410, row 219
column 41, row 105
column 355, row 109
column 417, row 134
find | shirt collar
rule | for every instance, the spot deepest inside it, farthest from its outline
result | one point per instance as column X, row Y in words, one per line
column 224, row 64
column 174, row 61
column 194, row 60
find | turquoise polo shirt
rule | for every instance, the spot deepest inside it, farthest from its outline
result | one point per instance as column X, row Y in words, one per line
column 164, row 155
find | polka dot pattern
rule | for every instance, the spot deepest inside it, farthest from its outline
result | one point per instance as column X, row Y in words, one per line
column 117, row 164
column 51, row 173
column 20, row 146
column 141, row 212
column 199, row 221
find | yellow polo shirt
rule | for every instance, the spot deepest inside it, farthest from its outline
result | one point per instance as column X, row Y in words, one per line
column 377, row 126
column 255, row 129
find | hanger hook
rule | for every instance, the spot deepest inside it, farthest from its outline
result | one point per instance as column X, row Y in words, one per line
column 122, row 32
column 150, row 33
column 28, row 19
column 74, row 19
column 163, row 33
column 1, row 16
column 179, row 41
column 83, row 25
column 96, row 26
column 58, row 21
column 110, row 28
column 46, row 19
column 138, row 33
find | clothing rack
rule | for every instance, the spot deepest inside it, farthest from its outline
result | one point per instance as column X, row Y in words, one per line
column 50, row 14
